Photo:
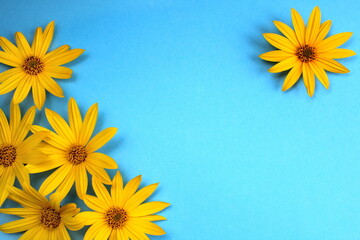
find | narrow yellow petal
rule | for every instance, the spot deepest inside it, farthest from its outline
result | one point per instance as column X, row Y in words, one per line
column 58, row 72
column 24, row 126
column 103, row 233
column 60, row 126
column 38, row 92
column 99, row 172
column 15, row 117
column 276, row 56
column 63, row 233
column 37, row 42
column 130, row 189
column 35, row 195
column 337, row 53
column 72, row 223
column 140, row 196
column 90, row 218
column 24, row 199
column 6, row 179
column 11, row 83
column 117, row 189
column 21, row 212
column 55, row 179
column 133, row 233
column 64, row 57
column 74, row 116
column 152, row 218
column 293, row 76
column 66, row 185
column 146, row 227
column 58, row 50
column 23, row 45
column 324, row 30
column 101, row 139
column 9, row 73
column 22, row 89
column 284, row 65
column 5, row 133
column 309, row 79
column 22, row 173
column 101, row 192
column 10, row 48
column 101, row 160
column 88, row 125
column 52, row 139
column 280, row 42
column 148, row 208
column 333, row 42
column 19, row 225
column 320, row 74
column 81, row 180
column 31, row 143
column 299, row 26
column 48, row 35
column 31, row 233
column 288, row 32
column 50, row 85
column 332, row 65
column 11, row 60
column 45, row 166
column 312, row 29
column 93, row 230
column 69, row 209
column 95, row 203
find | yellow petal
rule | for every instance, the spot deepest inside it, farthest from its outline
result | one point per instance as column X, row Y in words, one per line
column 37, row 42
column 88, row 125
column 10, row 48
column 95, row 203
column 45, row 165
column 69, row 209
column 140, row 196
column 48, row 35
column 52, row 139
column 280, row 42
column 50, row 85
column 38, row 94
column 299, row 26
column 5, row 133
column 320, row 74
column 103, row 233
column 130, row 189
column 117, row 189
column 24, row 126
column 19, row 225
column 75, row 118
column 58, row 50
column 11, row 83
column 101, row 192
column 59, row 72
column 21, row 212
column 6, row 179
column 148, row 208
column 293, row 76
column 99, row 172
column 55, row 179
column 60, row 126
column 313, row 26
column 333, row 42
column 24, row 199
column 284, row 65
column 153, row 218
column 81, row 181
column 324, row 30
column 11, row 60
column 31, row 233
column 93, row 230
column 66, row 185
column 9, row 73
column 15, row 117
column 146, row 227
column 288, row 32
column 35, row 195
column 64, row 57
column 101, row 160
column 90, row 218
column 23, row 45
column 309, row 79
column 72, row 223
column 337, row 53
column 276, row 56
column 133, row 233
column 332, row 65
column 21, row 173
column 31, row 143
column 63, row 233
column 101, row 139
column 22, row 89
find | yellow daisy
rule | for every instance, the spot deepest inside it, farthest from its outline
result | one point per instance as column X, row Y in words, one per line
column 41, row 218
column 71, row 149
column 122, row 215
column 15, row 150
column 34, row 67
column 306, row 51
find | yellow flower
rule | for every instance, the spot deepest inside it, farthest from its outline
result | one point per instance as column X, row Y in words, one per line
column 41, row 218
column 34, row 67
column 306, row 51
column 71, row 149
column 122, row 215
column 15, row 150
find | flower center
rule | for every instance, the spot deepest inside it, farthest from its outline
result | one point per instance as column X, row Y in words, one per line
column 33, row 65
column 50, row 218
column 77, row 154
column 7, row 155
column 116, row 217
column 306, row 53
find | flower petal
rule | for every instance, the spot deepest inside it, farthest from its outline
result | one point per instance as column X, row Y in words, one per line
column 101, row 160
column 23, row 45
column 130, row 189
column 47, row 38
column 320, row 74
column 309, row 79
column 117, row 189
column 293, row 76
column 10, row 48
column 95, row 203
column 59, row 72
column 148, row 208
column 288, row 32
column 22, row 89
column 299, row 26
column 140, row 196
column 38, row 92
column 75, row 118
column 50, row 85
column 81, row 180
column 284, row 65
column 324, row 30
column 101, row 192
column 10, row 60
column 5, row 133
column 276, row 56
column 89, row 124
column 313, row 26
column 90, row 218
column 37, row 42
column 98, row 172
column 146, row 227
column 332, row 65
column 52, row 139
column 101, row 139
column 20, row 225
column 11, row 83
column 280, row 42
column 55, row 179
column 64, row 57
column 337, row 53
column 60, row 125
column 24, row 126
column 333, row 42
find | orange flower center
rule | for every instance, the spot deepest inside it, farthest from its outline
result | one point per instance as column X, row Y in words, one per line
column 77, row 154
column 33, row 65
column 116, row 217
column 306, row 53
column 50, row 218
column 7, row 155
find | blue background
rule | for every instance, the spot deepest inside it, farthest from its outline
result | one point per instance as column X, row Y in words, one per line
column 198, row 112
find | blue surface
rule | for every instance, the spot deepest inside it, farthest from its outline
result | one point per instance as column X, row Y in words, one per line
column 197, row 111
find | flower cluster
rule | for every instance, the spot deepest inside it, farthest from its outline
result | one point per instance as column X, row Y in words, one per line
column 70, row 148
